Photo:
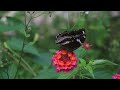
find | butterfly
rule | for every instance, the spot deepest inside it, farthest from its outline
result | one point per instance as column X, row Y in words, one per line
column 71, row 40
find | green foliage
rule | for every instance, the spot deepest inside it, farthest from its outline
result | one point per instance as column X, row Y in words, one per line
column 12, row 70
column 102, row 32
column 68, row 75
column 103, row 62
column 29, row 48
column 12, row 24
column 83, row 64
column 47, row 74
column 80, row 52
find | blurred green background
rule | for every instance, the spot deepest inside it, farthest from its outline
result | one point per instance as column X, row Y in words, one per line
column 102, row 32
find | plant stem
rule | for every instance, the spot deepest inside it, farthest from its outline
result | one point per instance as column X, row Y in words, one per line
column 68, row 21
column 7, row 72
column 85, row 77
column 22, row 45
column 24, row 65
column 24, row 39
column 20, row 56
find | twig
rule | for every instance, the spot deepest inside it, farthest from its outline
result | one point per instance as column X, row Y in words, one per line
column 26, row 27
column 40, row 14
column 28, row 22
column 20, row 56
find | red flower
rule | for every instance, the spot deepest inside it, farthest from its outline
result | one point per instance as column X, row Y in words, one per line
column 86, row 46
column 64, row 61
column 116, row 76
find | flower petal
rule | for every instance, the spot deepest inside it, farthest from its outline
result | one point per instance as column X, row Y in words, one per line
column 64, row 61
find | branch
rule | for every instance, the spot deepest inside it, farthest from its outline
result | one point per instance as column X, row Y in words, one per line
column 22, row 51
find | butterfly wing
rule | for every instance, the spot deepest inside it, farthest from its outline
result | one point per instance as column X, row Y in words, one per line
column 72, row 40
column 70, row 46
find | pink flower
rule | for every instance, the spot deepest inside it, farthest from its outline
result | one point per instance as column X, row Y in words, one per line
column 116, row 76
column 86, row 46
column 64, row 61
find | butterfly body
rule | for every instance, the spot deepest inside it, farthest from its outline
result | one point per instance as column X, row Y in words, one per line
column 71, row 40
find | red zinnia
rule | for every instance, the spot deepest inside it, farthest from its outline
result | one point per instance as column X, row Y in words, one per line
column 116, row 76
column 86, row 45
column 64, row 61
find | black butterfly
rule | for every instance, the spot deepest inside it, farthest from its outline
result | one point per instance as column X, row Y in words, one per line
column 71, row 40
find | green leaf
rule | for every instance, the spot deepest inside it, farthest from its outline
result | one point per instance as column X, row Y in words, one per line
column 3, row 74
column 89, row 68
column 103, row 73
column 12, row 71
column 4, row 28
column 69, row 74
column 102, row 61
column 47, row 74
column 80, row 52
column 36, row 38
column 18, row 46
column 83, row 62
column 90, row 62
column 12, row 25
column 23, row 62
column 31, row 49
column 43, row 59
column 52, row 50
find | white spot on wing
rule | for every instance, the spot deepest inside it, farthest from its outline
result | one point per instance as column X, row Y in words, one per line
column 65, row 43
column 77, row 36
column 62, row 38
column 78, row 40
column 84, row 36
column 83, row 32
column 58, row 35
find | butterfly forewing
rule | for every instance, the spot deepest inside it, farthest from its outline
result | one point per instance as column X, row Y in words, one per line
column 71, row 40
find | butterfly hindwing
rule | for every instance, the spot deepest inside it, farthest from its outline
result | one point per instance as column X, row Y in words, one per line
column 71, row 46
